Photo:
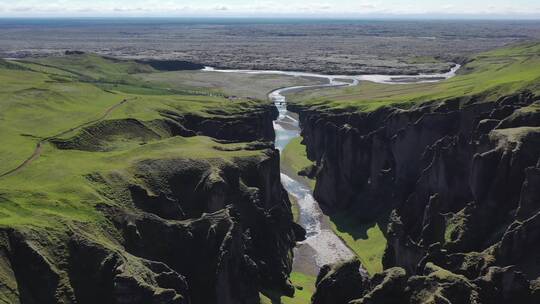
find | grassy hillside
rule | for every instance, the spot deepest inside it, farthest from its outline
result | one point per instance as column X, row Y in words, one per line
column 490, row 75
column 50, row 99
column 294, row 159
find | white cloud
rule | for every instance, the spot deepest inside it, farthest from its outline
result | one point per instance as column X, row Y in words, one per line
column 22, row 9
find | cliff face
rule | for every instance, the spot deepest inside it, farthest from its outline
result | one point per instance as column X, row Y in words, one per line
column 251, row 126
column 458, row 182
column 205, row 230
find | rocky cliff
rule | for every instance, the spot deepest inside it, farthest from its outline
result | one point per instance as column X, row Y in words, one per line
column 206, row 229
column 458, row 182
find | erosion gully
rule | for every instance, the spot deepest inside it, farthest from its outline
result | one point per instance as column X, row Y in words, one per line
column 322, row 246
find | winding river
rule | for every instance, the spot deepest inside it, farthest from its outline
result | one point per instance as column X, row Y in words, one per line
column 322, row 246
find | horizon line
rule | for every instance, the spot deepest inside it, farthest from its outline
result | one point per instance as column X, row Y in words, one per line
column 479, row 17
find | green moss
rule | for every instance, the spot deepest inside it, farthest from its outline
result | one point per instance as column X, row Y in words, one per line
column 295, row 209
column 442, row 275
column 455, row 224
column 490, row 75
column 366, row 240
column 264, row 299
column 305, row 287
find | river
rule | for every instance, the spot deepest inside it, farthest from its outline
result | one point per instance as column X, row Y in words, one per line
column 322, row 246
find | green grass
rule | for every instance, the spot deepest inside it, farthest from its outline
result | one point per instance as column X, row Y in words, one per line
column 294, row 158
column 366, row 240
column 304, row 289
column 295, row 209
column 489, row 75
column 303, row 295
column 264, row 299
column 56, row 185
column 51, row 97
column 35, row 105
column 92, row 67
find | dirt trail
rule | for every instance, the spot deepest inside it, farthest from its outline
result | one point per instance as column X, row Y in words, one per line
column 39, row 146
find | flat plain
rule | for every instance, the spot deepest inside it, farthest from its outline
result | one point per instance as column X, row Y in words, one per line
column 329, row 46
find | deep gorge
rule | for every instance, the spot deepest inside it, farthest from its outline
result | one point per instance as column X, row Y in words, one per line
column 121, row 183
column 454, row 181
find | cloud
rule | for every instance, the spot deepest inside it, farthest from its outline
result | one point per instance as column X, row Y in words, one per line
column 22, row 9
column 367, row 5
column 124, row 9
column 221, row 8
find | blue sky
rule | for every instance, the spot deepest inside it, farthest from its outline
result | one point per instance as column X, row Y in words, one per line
column 272, row 8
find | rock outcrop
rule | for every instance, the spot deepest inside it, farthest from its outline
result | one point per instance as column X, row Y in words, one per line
column 256, row 125
column 458, row 182
column 339, row 284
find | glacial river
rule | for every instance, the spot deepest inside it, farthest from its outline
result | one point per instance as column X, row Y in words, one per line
column 322, row 246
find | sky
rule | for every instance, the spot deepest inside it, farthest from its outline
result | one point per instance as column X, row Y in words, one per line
column 508, row 9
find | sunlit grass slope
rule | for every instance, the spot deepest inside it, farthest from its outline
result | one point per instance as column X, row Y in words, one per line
column 294, row 159
column 489, row 75
column 51, row 99
column 305, row 287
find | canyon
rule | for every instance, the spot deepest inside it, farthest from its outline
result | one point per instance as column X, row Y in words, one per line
column 176, row 194
column 452, row 182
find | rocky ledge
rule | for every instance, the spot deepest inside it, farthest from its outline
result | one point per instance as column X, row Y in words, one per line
column 459, row 183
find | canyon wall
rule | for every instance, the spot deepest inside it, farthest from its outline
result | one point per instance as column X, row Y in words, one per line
column 458, row 183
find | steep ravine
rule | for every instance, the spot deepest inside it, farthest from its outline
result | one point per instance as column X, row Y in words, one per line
column 205, row 230
column 458, row 183
column 321, row 246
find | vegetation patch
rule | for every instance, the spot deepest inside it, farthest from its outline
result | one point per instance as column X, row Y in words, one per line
column 72, row 118
column 491, row 75
column 304, row 289
column 294, row 159
column 366, row 240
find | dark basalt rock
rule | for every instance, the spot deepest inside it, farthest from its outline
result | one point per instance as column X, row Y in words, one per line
column 172, row 65
column 459, row 180
column 341, row 283
column 68, row 52
column 387, row 287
